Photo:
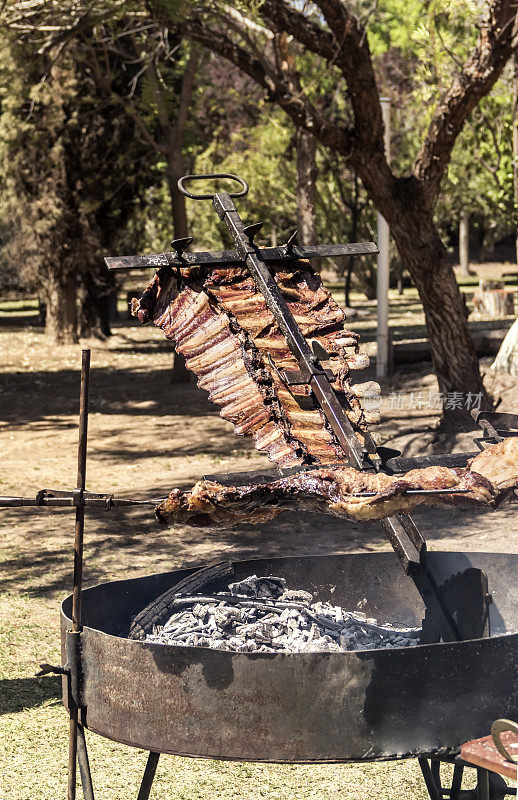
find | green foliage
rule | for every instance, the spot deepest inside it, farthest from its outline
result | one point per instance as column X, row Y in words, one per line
column 272, row 181
column 418, row 48
column 479, row 178
column 75, row 167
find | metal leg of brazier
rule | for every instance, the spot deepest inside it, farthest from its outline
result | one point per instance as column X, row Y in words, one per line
column 482, row 784
column 149, row 775
column 456, row 782
column 433, row 790
column 84, row 765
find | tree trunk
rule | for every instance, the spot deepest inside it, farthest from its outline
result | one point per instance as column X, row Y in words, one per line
column 97, row 302
column 173, row 133
column 175, row 170
column 453, row 352
column 61, row 311
column 306, row 186
column 515, row 142
column 355, row 218
column 464, row 243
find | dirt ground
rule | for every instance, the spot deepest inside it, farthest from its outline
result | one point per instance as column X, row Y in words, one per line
column 147, row 436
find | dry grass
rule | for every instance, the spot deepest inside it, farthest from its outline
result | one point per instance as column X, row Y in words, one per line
column 33, row 731
column 146, row 436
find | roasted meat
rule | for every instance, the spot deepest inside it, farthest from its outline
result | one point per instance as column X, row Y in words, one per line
column 337, row 491
column 220, row 322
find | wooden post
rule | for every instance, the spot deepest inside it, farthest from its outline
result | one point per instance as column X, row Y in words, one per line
column 464, row 243
column 383, row 275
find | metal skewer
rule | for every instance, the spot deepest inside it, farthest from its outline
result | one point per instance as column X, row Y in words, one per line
column 108, row 501
column 67, row 499
column 455, row 490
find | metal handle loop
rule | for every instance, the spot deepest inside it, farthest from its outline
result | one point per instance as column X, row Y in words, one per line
column 497, row 728
column 210, row 176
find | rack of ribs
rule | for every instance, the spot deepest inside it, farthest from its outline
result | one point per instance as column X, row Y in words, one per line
column 490, row 477
column 219, row 321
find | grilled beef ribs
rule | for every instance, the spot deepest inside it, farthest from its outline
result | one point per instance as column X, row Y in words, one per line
column 488, row 479
column 220, row 323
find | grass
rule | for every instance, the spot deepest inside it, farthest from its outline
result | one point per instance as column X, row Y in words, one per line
column 33, row 724
column 33, row 732
column 26, row 304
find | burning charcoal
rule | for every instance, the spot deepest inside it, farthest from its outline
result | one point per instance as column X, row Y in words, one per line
column 298, row 595
column 242, row 623
column 259, row 587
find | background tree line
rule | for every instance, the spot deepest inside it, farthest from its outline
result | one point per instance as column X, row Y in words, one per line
column 105, row 104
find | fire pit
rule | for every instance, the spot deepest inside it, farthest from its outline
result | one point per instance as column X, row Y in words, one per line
column 301, row 707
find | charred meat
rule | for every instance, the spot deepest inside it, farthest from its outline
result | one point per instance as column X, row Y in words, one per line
column 219, row 321
column 338, row 491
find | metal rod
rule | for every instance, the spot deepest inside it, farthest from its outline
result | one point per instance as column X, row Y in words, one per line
column 68, row 500
column 456, row 781
column 81, row 484
column 228, row 259
column 418, row 491
column 482, row 784
column 149, row 775
column 78, row 558
column 450, row 460
column 433, row 790
column 84, row 765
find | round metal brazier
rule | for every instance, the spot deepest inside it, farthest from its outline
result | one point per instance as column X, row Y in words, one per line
column 302, row 707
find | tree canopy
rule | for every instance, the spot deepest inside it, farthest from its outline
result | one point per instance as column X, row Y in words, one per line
column 219, row 85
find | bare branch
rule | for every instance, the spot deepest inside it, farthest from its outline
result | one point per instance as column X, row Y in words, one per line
column 125, row 104
column 246, row 23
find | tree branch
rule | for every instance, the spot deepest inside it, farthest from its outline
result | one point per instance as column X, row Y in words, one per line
column 298, row 108
column 308, row 33
column 354, row 59
column 483, row 68
column 126, row 105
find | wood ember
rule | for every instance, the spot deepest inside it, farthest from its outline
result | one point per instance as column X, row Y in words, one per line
column 260, row 615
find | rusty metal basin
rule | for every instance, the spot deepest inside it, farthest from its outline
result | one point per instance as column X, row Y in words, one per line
column 302, row 707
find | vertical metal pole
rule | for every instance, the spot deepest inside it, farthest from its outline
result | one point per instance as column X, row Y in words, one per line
column 431, row 786
column 383, row 274
column 78, row 558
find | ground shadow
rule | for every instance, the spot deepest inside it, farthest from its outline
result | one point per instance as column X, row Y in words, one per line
column 26, row 397
column 19, row 694
column 126, row 542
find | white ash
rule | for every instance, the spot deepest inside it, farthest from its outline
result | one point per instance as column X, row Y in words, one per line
column 260, row 615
